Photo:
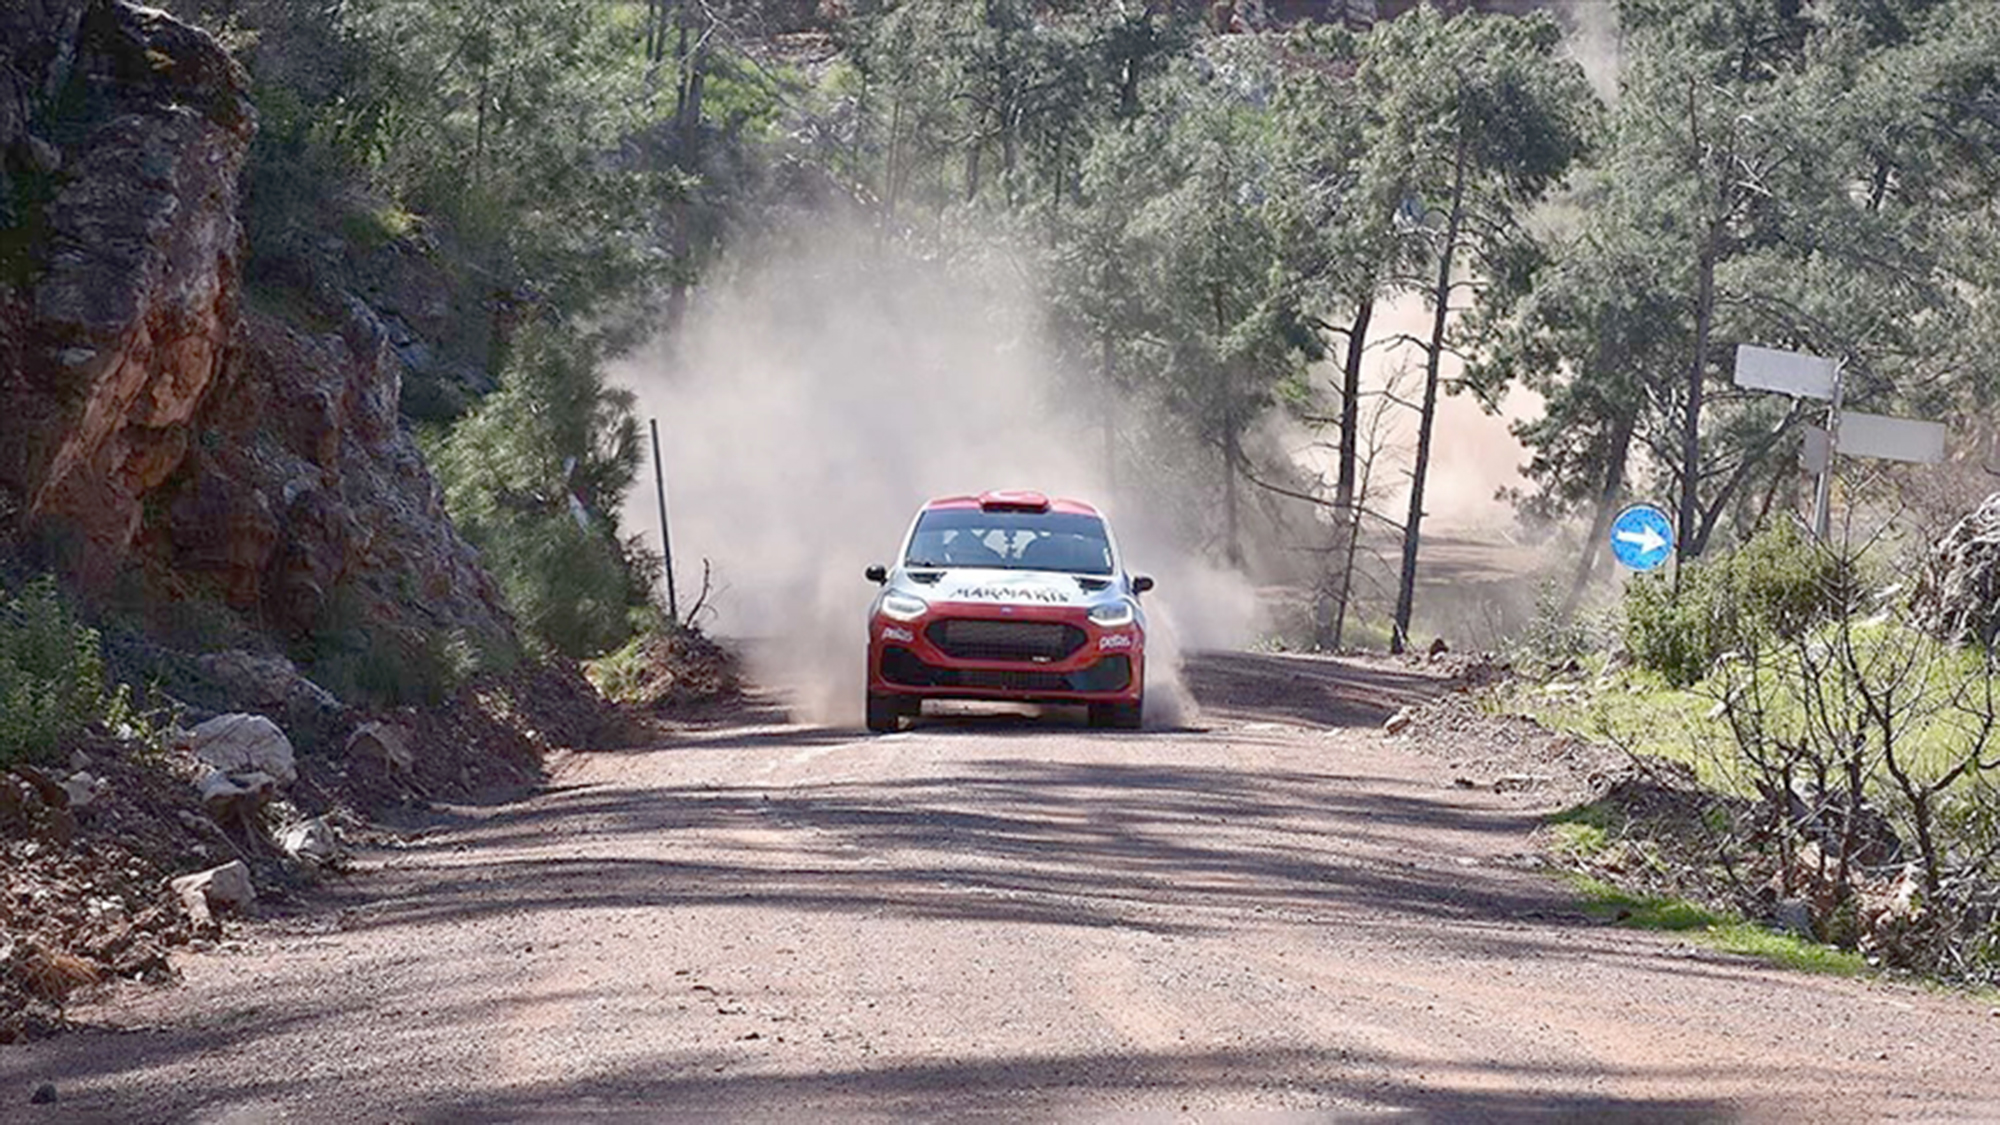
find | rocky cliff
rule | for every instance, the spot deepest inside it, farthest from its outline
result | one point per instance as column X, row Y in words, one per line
column 151, row 433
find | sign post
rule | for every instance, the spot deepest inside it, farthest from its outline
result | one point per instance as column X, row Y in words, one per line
column 1847, row 431
column 1823, row 487
column 666, row 542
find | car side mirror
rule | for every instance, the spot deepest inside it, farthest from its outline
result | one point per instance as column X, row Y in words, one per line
column 878, row 574
column 1141, row 583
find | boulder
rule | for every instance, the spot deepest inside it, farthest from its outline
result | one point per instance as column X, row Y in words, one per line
column 83, row 788
column 243, row 744
column 384, row 743
column 312, row 841
column 230, row 797
column 270, row 683
column 219, row 888
column 1957, row 597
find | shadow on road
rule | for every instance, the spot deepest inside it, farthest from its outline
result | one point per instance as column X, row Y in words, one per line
column 1308, row 690
column 1068, row 839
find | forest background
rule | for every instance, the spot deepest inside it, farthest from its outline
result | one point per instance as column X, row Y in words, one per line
column 1249, row 266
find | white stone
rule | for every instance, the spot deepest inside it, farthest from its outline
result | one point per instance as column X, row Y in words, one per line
column 223, row 792
column 245, row 744
column 225, row 887
column 82, row 789
column 312, row 841
column 1398, row 722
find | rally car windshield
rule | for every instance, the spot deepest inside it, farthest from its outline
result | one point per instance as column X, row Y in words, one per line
column 1064, row 541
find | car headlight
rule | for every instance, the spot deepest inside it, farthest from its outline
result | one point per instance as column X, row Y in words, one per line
column 904, row 607
column 1113, row 615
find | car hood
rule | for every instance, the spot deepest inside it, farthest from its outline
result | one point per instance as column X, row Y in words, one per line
column 1012, row 587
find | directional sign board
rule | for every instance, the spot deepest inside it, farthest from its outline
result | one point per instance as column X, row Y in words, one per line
column 1791, row 373
column 1892, row 439
column 1642, row 537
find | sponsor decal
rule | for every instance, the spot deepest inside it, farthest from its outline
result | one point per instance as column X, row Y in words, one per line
column 1011, row 594
column 891, row 633
column 1114, row 640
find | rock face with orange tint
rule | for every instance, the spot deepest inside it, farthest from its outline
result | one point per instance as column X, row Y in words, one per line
column 124, row 132
column 302, row 489
column 147, row 425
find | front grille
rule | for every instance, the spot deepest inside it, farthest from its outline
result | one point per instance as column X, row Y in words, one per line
column 1026, row 642
column 903, row 667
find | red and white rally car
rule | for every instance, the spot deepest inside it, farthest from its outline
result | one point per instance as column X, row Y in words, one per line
column 1007, row 596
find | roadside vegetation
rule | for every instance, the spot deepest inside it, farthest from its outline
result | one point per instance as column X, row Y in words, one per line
column 1819, row 760
column 52, row 684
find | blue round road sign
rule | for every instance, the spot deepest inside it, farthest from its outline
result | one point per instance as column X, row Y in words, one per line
column 1642, row 537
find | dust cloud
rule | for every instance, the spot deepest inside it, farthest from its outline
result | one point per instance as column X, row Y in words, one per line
column 823, row 386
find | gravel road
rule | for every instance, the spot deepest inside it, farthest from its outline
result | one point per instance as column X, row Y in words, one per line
column 1276, row 913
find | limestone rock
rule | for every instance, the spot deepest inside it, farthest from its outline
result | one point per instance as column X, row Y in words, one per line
column 230, row 797
column 311, row 841
column 1958, row 592
column 1794, row 916
column 272, row 686
column 219, row 888
column 83, row 788
column 1399, row 722
column 240, row 744
column 384, row 743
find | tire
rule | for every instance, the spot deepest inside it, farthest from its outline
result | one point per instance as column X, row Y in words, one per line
column 1118, row 716
column 885, row 713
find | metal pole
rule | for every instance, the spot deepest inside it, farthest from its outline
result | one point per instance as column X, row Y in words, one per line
column 1823, row 489
column 666, row 541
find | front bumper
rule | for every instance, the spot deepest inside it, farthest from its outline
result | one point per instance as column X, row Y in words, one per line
column 935, row 657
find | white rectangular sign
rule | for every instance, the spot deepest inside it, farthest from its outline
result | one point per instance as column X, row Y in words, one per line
column 1894, row 439
column 1791, row 373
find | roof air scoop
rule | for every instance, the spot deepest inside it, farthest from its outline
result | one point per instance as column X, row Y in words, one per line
column 1013, row 500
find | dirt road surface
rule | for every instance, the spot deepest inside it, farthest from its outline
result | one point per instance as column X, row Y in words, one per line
column 1277, row 913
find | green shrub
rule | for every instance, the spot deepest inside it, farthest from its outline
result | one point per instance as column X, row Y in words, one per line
column 367, row 661
column 1776, row 586
column 51, row 674
column 534, row 477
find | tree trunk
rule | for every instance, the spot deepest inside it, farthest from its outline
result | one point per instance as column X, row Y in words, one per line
column 1616, row 454
column 479, row 130
column 1704, row 320
column 1406, row 587
column 1231, row 453
column 1350, row 403
column 1327, row 627
column 690, row 122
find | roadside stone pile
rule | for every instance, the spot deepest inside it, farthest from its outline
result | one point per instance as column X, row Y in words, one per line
column 127, row 850
column 1505, row 753
column 1958, row 592
column 130, row 851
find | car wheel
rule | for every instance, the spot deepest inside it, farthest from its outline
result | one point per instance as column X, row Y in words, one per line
column 885, row 713
column 1117, row 716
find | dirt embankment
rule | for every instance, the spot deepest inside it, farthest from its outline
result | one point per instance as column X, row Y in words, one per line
column 91, row 847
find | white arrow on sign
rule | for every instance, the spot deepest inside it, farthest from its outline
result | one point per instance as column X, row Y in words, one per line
column 1646, row 539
